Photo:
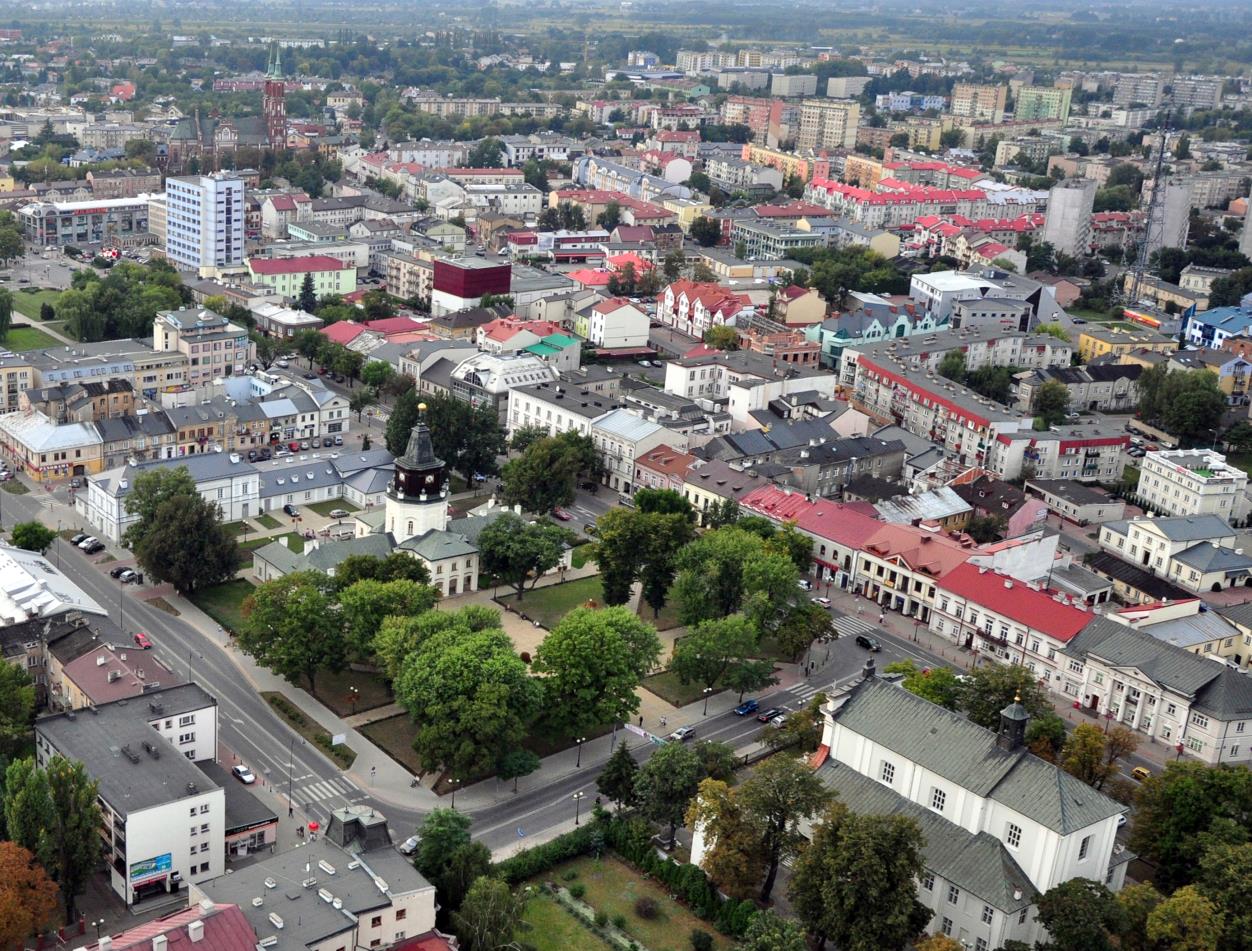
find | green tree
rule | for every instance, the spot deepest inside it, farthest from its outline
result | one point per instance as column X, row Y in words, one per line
column 488, row 916
column 307, row 301
column 149, row 491
column 779, row 793
column 1045, row 736
column 29, row 813
column 1186, row 921
column 377, row 374
column 187, row 545
column 543, row 477
column 590, row 665
column 488, row 153
column 468, row 438
column 467, row 864
column 939, row 685
column 362, row 400
column 515, row 764
column 666, row 784
column 1081, row 915
column 1225, row 878
column 722, row 337
column 6, row 310
column 290, row 626
column 397, row 566
column 989, row 688
column 364, row 605
column 1092, row 755
column 441, row 833
column 673, row 265
column 856, row 883
column 471, row 698
column 953, row 365
column 525, row 436
column 713, row 651
column 1052, row 402
column 728, row 570
column 17, row 713
column 1186, row 809
column 400, row 423
column 769, row 932
column 518, row 552
column 734, row 855
column 801, row 729
column 705, row 231
column 32, row 536
column 617, row 779
column 1137, row 902
column 611, row 217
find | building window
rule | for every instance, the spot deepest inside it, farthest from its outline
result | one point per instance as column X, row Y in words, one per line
column 401, row 914
column 1200, row 720
column 1014, row 836
column 954, row 895
column 928, row 881
column 888, row 773
column 376, row 921
column 1084, row 848
column 1021, row 919
column 987, row 915
column 946, row 927
column 937, row 799
column 980, row 944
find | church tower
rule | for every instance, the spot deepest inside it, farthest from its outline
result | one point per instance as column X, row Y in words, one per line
column 274, row 104
column 417, row 499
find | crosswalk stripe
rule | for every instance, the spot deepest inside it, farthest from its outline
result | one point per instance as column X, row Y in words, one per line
column 320, row 791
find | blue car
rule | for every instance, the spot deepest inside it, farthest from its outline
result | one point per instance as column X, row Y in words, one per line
column 748, row 706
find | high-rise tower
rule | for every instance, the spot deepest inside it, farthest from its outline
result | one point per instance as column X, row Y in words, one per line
column 275, row 101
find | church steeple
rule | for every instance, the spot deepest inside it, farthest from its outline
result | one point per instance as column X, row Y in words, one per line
column 1013, row 720
column 420, row 475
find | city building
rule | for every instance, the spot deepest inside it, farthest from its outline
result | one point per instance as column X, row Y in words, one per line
column 1195, row 552
column 80, row 223
column 213, row 346
column 1067, row 224
column 1192, row 482
column 285, row 275
column 1094, row 342
column 980, row 103
column 1042, row 102
column 828, row 124
column 1100, row 387
column 1076, row 502
column 204, row 223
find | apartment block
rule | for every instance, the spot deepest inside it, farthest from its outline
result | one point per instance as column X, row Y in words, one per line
column 1042, row 102
column 979, row 102
column 828, row 124
column 1193, row 482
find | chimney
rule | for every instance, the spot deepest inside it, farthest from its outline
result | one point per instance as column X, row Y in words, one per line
column 869, row 671
column 106, row 943
column 160, row 942
column 195, row 931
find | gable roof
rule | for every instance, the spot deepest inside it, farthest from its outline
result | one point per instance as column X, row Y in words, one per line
column 1180, row 528
column 1120, row 646
column 1036, row 609
column 964, row 753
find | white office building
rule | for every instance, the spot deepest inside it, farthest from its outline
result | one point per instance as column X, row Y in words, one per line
column 1193, row 482
column 204, row 223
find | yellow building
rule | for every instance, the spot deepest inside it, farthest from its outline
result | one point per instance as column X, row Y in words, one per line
column 789, row 163
column 45, row 450
column 863, row 170
column 1097, row 341
column 7, row 184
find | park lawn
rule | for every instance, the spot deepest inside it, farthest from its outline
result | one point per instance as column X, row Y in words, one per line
column 546, row 926
column 295, row 541
column 326, row 506
column 13, row 487
column 667, row 619
column 372, row 690
column 613, row 887
column 27, row 301
column 295, row 718
column 673, row 691
column 581, row 555
column 265, row 520
column 238, row 528
column 20, row 339
column 224, row 602
column 549, row 603
column 394, row 736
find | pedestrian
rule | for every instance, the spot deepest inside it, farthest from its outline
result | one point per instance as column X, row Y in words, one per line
column 641, row 721
column 664, row 723
column 882, row 616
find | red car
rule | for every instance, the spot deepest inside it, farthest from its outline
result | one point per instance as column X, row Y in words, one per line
column 563, row 515
column 142, row 641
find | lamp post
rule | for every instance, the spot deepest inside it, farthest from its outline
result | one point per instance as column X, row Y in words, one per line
column 578, row 802
column 191, row 654
column 98, row 925
column 454, row 783
column 1108, row 716
column 707, row 691
column 580, row 741
column 291, row 754
column 353, row 695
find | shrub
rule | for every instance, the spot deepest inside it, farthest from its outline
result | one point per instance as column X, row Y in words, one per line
column 569, row 875
column 619, row 922
column 602, row 918
column 578, row 889
column 541, row 858
column 701, row 940
column 646, row 908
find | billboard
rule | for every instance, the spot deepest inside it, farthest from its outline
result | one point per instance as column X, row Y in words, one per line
column 150, row 868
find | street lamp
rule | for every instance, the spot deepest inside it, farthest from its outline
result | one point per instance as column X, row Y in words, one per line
column 98, row 925
column 191, row 654
column 707, row 691
column 578, row 802
column 291, row 752
column 1108, row 716
column 454, row 783
column 353, row 695
column 580, row 741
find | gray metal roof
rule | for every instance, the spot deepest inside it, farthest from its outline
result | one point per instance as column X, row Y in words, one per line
column 436, row 546
column 978, row 864
column 1191, row 630
column 1120, row 646
column 965, row 753
column 1180, row 528
column 1228, row 696
column 1206, row 557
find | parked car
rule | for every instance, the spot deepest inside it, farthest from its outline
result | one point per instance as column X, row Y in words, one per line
column 1140, row 774
column 243, row 774
column 824, row 602
column 338, row 513
column 117, row 572
column 869, row 643
column 805, row 584
column 591, row 487
column 1078, row 321
column 87, row 540
column 327, row 442
column 79, row 537
column 94, row 548
column 76, row 483
column 766, row 715
column 141, row 641
column 564, row 516
column 748, row 706
column 338, row 440
column 128, row 576
column 252, row 454
column 682, row 734
column 284, row 364
column 409, row 845
column 310, row 375
column 293, row 446
column 291, row 510
column 304, row 444
column 778, row 721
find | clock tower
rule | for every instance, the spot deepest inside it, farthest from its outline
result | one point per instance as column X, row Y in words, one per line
column 417, row 499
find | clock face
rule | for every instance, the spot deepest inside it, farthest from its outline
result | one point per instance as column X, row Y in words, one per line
column 430, row 479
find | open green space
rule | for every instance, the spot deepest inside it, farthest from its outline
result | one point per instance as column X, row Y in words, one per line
column 546, row 926
column 239, row 528
column 311, row 731
column 581, row 555
column 224, row 602
column 265, row 520
column 326, row 506
column 335, row 690
column 20, row 339
column 613, row 887
column 673, row 691
column 666, row 619
column 13, row 487
column 27, row 301
column 295, row 541
column 394, row 736
column 549, row 603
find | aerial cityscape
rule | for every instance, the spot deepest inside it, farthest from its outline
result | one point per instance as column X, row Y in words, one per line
column 623, row 476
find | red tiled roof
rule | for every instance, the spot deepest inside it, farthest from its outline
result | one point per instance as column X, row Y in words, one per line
column 921, row 550
column 833, row 520
column 666, row 460
column 394, row 325
column 309, row 262
column 1037, row 609
column 431, row 941
column 590, row 277
column 343, row 331
column 283, row 202
column 225, row 929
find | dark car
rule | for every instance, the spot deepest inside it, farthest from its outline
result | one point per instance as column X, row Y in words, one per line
column 310, row 375
column 869, row 643
column 748, row 706
column 117, row 571
column 766, row 715
column 291, row 510
column 94, row 548
column 591, row 487
column 327, row 441
column 80, row 537
column 252, row 455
